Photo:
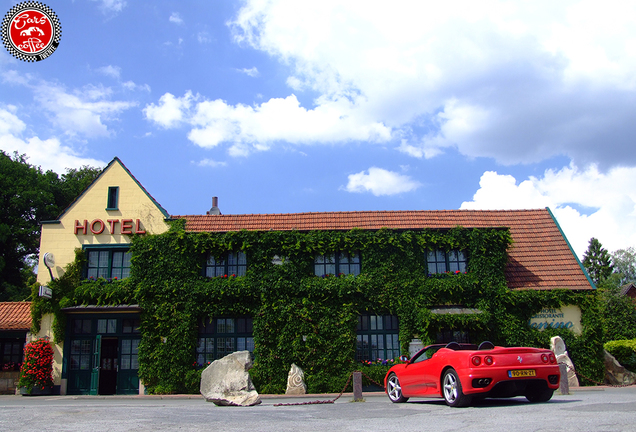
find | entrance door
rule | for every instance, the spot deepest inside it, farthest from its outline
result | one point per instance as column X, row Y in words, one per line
column 108, row 367
column 97, row 349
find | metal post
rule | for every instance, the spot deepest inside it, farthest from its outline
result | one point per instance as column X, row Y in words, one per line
column 357, row 387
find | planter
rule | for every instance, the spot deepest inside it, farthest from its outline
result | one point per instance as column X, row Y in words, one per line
column 37, row 391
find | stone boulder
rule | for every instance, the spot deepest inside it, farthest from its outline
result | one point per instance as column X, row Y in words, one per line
column 615, row 373
column 226, row 382
column 558, row 348
column 296, row 381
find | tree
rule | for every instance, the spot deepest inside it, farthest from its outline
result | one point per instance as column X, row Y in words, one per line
column 597, row 261
column 624, row 263
column 29, row 196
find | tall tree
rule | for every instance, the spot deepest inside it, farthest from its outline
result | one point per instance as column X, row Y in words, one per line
column 624, row 263
column 27, row 197
column 597, row 261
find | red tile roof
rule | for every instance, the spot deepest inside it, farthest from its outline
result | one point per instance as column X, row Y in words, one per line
column 540, row 257
column 15, row 315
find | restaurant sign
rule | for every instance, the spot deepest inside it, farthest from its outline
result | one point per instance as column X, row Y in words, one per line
column 567, row 317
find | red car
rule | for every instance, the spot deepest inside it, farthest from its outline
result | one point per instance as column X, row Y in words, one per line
column 461, row 372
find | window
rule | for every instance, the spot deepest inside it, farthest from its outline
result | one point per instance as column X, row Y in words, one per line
column 442, row 262
column 447, row 335
column 232, row 264
column 11, row 350
column 107, row 264
column 219, row 337
column 81, row 352
column 377, row 337
column 113, row 198
column 129, row 354
column 337, row 263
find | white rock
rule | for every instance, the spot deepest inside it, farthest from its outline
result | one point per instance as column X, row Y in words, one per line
column 227, row 382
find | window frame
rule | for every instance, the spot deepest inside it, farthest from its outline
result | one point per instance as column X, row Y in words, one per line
column 338, row 263
column 386, row 337
column 450, row 265
column 210, row 270
column 112, row 200
column 113, row 271
column 210, row 339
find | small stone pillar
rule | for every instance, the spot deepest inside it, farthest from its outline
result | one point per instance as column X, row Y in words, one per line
column 558, row 347
column 564, row 386
column 296, row 381
column 357, row 387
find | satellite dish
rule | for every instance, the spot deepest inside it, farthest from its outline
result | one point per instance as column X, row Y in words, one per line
column 49, row 260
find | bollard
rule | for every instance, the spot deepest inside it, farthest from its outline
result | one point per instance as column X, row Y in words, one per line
column 564, row 386
column 357, row 387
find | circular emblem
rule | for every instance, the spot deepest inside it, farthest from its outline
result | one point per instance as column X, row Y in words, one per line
column 31, row 31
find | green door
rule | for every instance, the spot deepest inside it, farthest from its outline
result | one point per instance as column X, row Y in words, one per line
column 127, row 378
column 97, row 351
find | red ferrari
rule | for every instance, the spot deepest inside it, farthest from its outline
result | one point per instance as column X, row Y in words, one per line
column 461, row 372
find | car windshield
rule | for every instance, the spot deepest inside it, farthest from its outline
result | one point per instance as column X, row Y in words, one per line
column 426, row 353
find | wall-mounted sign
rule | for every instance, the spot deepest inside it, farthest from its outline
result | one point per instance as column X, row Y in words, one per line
column 111, row 226
column 567, row 317
column 45, row 292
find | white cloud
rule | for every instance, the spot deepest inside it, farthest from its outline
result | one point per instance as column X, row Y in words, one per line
column 175, row 18
column 210, row 163
column 204, row 37
column 171, row 110
column 256, row 128
column 586, row 203
column 82, row 112
column 110, row 6
column 50, row 153
column 253, row 72
column 518, row 82
column 380, row 182
column 110, row 70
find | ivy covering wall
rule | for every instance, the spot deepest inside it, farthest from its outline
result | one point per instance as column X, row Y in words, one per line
column 311, row 321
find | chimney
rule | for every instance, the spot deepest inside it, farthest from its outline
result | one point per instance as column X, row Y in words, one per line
column 215, row 207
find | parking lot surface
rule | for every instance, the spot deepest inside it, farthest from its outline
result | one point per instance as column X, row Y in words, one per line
column 605, row 409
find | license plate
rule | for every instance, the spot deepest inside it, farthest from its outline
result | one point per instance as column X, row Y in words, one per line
column 520, row 373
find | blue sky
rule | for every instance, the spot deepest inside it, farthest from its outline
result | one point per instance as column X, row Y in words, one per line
column 287, row 106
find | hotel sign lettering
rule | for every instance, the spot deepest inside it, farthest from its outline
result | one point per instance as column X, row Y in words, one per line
column 568, row 317
column 110, row 226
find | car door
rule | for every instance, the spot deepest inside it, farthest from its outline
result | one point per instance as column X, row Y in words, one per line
column 417, row 378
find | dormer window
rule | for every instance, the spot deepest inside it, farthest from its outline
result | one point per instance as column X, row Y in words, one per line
column 113, row 198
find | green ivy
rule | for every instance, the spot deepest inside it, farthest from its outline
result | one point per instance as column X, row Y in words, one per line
column 311, row 321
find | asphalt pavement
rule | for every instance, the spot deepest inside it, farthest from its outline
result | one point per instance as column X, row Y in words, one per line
column 589, row 409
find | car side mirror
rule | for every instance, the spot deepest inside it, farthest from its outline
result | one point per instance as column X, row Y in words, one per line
column 404, row 358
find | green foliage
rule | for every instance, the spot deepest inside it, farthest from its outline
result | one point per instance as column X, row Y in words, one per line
column 311, row 321
column 597, row 261
column 29, row 196
column 624, row 264
column 624, row 351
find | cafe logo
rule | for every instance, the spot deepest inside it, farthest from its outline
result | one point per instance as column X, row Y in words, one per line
column 31, row 31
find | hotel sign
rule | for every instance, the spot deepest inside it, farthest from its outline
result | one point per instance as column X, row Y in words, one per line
column 110, row 226
column 567, row 317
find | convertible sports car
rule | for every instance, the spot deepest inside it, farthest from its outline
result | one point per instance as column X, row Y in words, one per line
column 461, row 372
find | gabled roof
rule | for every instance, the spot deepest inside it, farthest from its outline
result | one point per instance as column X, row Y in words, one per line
column 15, row 316
column 115, row 160
column 540, row 258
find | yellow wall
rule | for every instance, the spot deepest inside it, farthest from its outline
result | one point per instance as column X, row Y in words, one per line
column 60, row 238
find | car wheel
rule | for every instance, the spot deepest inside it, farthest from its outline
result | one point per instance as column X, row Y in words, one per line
column 394, row 389
column 452, row 389
column 542, row 395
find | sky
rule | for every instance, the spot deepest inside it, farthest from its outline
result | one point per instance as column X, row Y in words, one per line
column 284, row 106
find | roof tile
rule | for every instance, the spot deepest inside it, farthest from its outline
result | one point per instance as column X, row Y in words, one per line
column 15, row 315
